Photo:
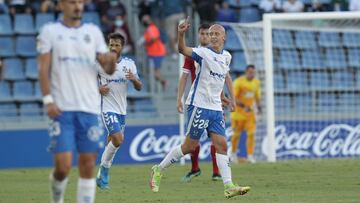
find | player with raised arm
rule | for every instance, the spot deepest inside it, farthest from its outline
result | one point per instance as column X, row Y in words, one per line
column 190, row 67
column 204, row 107
column 68, row 51
column 114, row 92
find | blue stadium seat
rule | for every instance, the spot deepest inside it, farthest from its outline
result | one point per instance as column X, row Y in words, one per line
column 232, row 42
column 23, row 91
column 24, row 24
column 279, row 83
column 349, row 101
column 91, row 17
column 238, row 62
column 357, row 78
column 354, row 57
column 249, row 14
column 342, row 80
column 31, row 69
column 319, row 80
column 29, row 111
column 304, row 103
column 43, row 18
column 312, row 59
column 282, row 104
column 7, row 47
column 289, row 59
column 13, row 69
column 335, row 58
column 5, row 25
column 144, row 105
column 327, row 103
column 282, row 39
column 239, row 4
column 297, row 81
column 305, row 40
column 8, row 111
column 38, row 94
column 5, row 92
column 26, row 46
column 134, row 94
column 351, row 40
column 329, row 39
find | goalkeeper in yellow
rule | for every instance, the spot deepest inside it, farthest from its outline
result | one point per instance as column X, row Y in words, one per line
column 247, row 93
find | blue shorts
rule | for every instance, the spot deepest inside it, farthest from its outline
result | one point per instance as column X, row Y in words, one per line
column 200, row 119
column 155, row 61
column 114, row 123
column 76, row 129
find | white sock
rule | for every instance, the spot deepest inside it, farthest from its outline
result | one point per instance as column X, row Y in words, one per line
column 108, row 155
column 172, row 157
column 57, row 189
column 224, row 167
column 86, row 190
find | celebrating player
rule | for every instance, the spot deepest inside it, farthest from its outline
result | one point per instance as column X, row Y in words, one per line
column 68, row 51
column 204, row 106
column 247, row 91
column 114, row 91
column 189, row 67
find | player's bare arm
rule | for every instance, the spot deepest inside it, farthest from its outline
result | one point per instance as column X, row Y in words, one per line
column 181, row 90
column 229, row 86
column 44, row 61
column 224, row 100
column 182, row 28
column 104, row 90
column 136, row 82
column 107, row 62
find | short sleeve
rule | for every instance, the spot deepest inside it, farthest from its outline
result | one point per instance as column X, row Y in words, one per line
column 134, row 70
column 198, row 54
column 188, row 65
column 101, row 46
column 43, row 41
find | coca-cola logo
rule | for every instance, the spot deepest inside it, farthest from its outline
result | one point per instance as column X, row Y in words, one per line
column 335, row 140
column 147, row 146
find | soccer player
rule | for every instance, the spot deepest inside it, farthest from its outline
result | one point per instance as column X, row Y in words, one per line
column 247, row 92
column 114, row 91
column 189, row 67
column 204, row 107
column 68, row 51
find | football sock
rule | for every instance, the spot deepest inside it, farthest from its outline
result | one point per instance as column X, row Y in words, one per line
column 57, row 189
column 173, row 156
column 108, row 155
column 250, row 144
column 195, row 159
column 86, row 190
column 224, row 166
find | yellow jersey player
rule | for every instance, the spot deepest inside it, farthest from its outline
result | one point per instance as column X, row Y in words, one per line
column 247, row 92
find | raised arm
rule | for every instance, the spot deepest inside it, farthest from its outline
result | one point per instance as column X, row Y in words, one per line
column 229, row 86
column 182, row 28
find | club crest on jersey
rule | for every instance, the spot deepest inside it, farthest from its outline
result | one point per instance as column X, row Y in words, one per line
column 87, row 38
column 124, row 69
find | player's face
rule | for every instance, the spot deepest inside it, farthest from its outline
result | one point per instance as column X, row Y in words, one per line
column 250, row 73
column 204, row 38
column 217, row 36
column 72, row 9
column 115, row 46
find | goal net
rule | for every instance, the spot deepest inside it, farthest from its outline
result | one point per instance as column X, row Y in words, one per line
column 309, row 65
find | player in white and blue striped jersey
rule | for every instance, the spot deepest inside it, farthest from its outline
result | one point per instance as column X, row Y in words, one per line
column 205, row 107
column 113, row 89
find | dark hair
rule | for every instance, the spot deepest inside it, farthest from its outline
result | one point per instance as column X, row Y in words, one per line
column 250, row 66
column 117, row 35
column 204, row 26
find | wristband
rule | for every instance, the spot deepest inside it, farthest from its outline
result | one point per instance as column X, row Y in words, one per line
column 48, row 99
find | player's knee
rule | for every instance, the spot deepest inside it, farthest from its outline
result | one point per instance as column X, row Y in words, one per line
column 61, row 172
column 221, row 148
column 117, row 140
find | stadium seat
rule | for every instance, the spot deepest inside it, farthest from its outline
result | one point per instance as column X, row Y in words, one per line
column 279, row 83
column 349, row 101
column 238, row 62
column 319, row 80
column 134, row 94
column 8, row 111
column 282, row 39
column 357, row 78
column 91, row 17
column 239, row 4
column 144, row 105
column 282, row 104
column 289, row 59
column 249, row 14
column 312, row 59
column 354, row 57
column 327, row 103
column 23, row 91
column 296, row 81
column 342, row 79
column 5, row 25
column 31, row 69
column 305, row 40
column 26, row 46
column 13, row 69
column 351, row 40
column 38, row 94
column 304, row 103
column 335, row 58
column 329, row 39
column 43, row 18
column 5, row 92
column 232, row 42
column 24, row 24
column 29, row 111
column 7, row 47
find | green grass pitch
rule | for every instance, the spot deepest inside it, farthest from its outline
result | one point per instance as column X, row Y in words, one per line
column 330, row 180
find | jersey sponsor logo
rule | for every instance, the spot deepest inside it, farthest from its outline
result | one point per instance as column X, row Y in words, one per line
column 217, row 75
column 121, row 80
column 83, row 61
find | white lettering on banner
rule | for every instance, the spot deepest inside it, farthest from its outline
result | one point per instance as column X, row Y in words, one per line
column 333, row 140
column 146, row 146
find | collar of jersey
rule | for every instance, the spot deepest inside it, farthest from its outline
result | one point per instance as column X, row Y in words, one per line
column 215, row 51
column 62, row 23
